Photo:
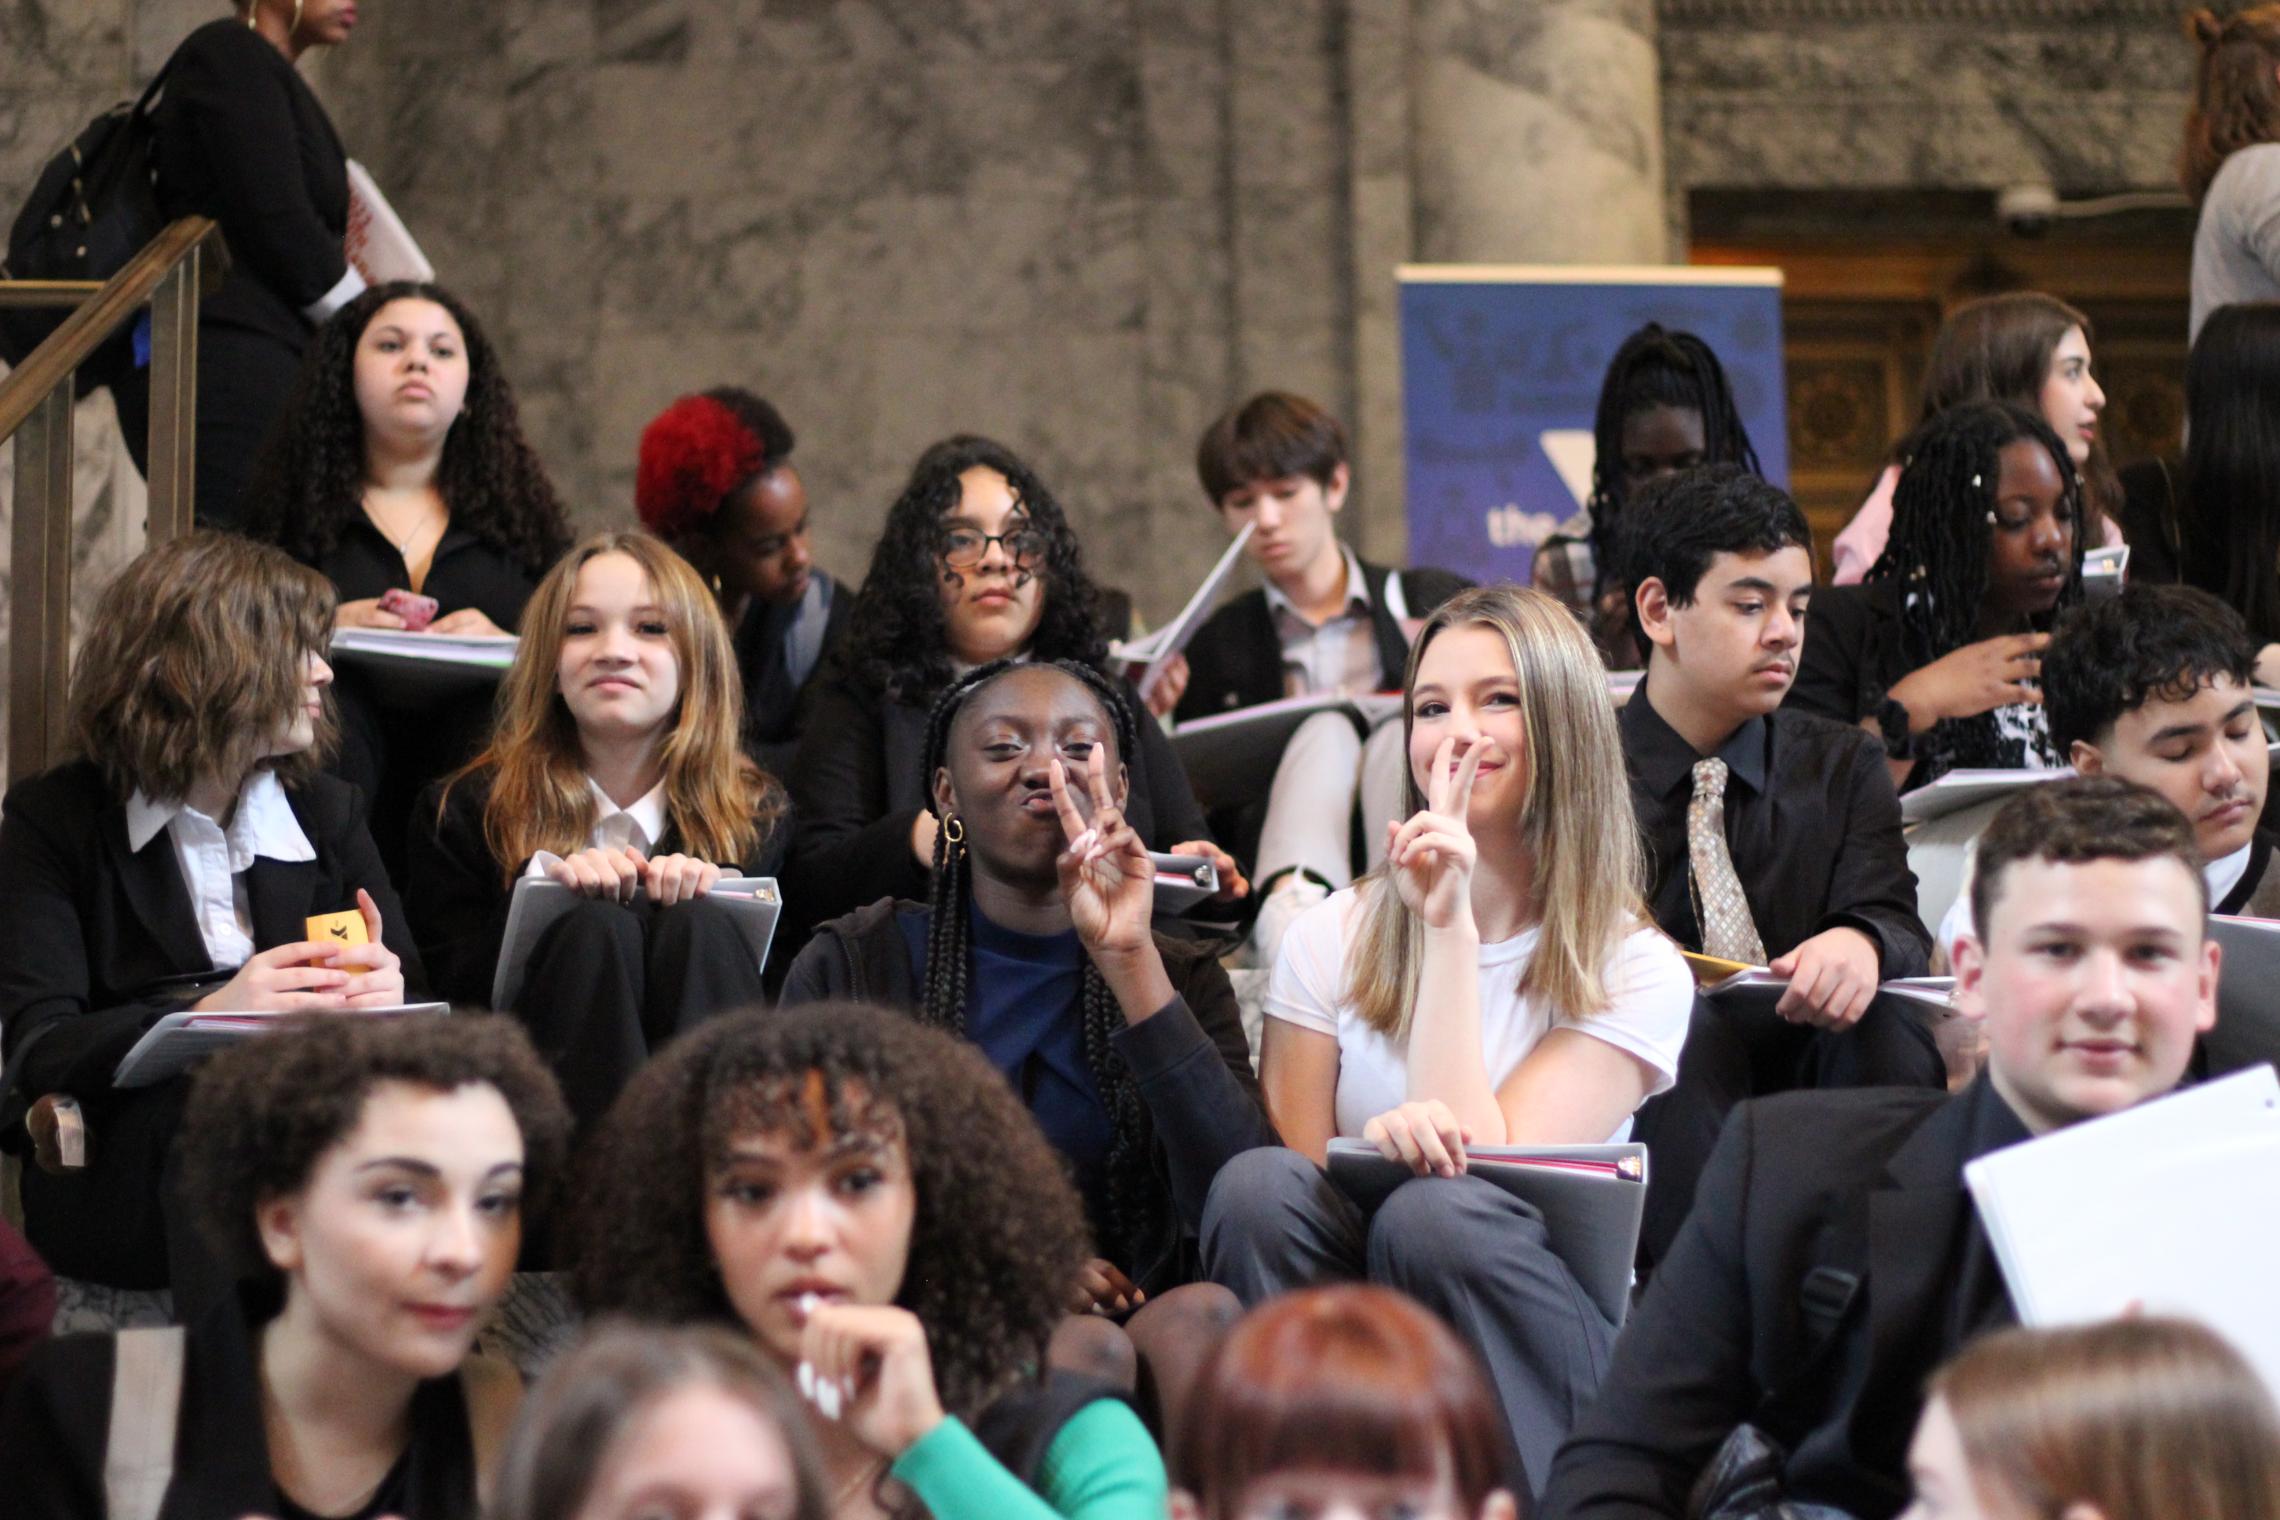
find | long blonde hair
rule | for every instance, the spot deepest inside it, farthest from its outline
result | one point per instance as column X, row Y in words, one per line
column 1576, row 824
column 716, row 799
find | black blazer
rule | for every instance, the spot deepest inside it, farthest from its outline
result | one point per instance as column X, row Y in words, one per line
column 466, row 572
column 461, row 894
column 92, row 935
column 242, row 139
column 57, row 1427
column 856, row 788
column 1199, row 1098
column 1831, row 1262
column 1853, row 656
column 1235, row 658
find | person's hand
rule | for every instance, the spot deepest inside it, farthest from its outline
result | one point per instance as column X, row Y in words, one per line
column 1432, row 855
column 1103, row 1288
column 1107, row 879
column 1423, row 1136
column 310, row 974
column 614, row 874
column 1232, row 883
column 876, row 1357
column 377, row 972
column 1832, row 978
column 923, row 828
column 1977, row 678
column 677, row 878
column 365, row 612
column 1170, row 686
column 2268, row 665
column 467, row 620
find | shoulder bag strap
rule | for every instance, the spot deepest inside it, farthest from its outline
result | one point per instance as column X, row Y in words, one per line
column 146, row 1406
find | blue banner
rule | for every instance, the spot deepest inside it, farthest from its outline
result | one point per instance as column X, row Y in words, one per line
column 1500, row 375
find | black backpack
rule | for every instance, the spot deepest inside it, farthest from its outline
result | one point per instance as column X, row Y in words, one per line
column 91, row 210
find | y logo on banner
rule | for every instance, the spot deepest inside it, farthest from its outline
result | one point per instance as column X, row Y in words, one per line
column 1571, row 451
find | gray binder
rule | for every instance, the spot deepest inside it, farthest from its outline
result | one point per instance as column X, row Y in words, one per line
column 751, row 900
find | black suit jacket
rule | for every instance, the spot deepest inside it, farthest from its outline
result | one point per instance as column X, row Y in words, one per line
column 94, row 942
column 242, row 139
column 1235, row 659
column 461, row 894
column 1831, row 1262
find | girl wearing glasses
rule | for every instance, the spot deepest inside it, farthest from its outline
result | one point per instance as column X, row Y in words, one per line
column 976, row 563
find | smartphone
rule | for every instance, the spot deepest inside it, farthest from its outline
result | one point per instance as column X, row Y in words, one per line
column 416, row 610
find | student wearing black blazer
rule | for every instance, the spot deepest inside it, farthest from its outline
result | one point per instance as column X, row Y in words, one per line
column 175, row 865
column 240, row 137
column 976, row 563
column 615, row 771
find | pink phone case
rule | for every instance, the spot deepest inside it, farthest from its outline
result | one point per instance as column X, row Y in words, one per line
column 417, row 611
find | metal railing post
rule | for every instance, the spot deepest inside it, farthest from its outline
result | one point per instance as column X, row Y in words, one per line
column 174, row 400
column 39, row 613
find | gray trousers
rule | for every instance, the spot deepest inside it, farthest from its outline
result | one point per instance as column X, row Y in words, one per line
column 1464, row 1248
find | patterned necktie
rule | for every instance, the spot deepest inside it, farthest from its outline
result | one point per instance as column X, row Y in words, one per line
column 1727, row 930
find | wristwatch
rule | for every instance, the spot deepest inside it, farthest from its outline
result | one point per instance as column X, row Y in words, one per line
column 1892, row 720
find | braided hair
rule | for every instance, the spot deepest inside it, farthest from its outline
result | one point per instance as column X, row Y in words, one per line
column 1133, row 1199
column 1941, row 544
column 1657, row 366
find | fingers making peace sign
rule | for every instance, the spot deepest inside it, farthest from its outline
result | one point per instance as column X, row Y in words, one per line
column 1432, row 855
column 1106, row 877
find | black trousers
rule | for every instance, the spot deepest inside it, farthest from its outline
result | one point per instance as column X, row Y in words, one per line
column 610, row 983
column 244, row 378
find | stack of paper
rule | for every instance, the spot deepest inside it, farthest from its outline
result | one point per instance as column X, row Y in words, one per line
column 1960, row 789
column 180, row 1040
column 1158, row 647
column 411, row 668
column 2172, row 1207
column 378, row 243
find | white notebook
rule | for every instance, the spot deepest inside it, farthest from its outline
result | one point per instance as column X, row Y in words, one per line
column 180, row 1040
column 538, row 903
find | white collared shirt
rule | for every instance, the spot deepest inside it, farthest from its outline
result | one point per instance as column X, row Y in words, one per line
column 1337, row 655
column 213, row 860
column 639, row 826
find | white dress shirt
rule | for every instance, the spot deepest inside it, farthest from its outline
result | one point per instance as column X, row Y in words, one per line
column 214, row 859
column 639, row 826
column 1337, row 656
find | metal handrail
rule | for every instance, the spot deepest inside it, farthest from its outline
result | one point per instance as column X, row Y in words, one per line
column 36, row 410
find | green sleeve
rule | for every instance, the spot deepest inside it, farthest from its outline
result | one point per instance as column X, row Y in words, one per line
column 1102, row 1466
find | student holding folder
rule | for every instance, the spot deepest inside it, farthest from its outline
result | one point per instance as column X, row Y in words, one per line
column 1833, row 1260
column 1497, row 983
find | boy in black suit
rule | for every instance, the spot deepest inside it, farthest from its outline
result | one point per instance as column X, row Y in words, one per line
column 1327, row 623
column 1833, row 1259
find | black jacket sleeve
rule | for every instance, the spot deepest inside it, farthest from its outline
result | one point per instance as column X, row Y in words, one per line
column 847, row 848
column 1870, row 886
column 1681, row 1378
column 1174, row 814
column 460, row 893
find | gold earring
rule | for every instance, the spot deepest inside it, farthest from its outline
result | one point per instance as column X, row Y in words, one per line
column 954, row 829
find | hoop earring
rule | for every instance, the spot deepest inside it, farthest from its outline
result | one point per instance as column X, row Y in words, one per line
column 954, row 830
column 295, row 29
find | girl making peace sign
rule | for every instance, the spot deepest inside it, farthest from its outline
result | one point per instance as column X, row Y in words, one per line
column 1495, row 983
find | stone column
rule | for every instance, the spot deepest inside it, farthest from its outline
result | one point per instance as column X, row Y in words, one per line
column 1536, row 132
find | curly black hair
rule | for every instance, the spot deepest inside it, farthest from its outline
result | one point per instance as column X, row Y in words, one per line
column 896, row 641
column 2111, row 657
column 1677, row 525
column 308, row 481
column 998, row 1235
column 1941, row 545
column 1135, row 1199
column 261, row 1113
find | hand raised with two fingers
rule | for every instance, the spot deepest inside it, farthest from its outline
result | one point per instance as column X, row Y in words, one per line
column 1431, row 855
column 1106, row 877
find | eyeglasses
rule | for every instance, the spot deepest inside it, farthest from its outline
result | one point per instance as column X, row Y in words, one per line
column 963, row 548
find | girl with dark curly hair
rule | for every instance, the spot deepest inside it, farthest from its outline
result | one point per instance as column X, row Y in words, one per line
column 399, row 468
column 1126, row 1046
column 175, row 864
column 615, row 771
column 868, row 1198
column 367, row 1180
column 717, row 483
column 976, row 563
column 1940, row 649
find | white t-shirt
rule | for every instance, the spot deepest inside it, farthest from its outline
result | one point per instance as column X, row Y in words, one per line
column 1650, row 990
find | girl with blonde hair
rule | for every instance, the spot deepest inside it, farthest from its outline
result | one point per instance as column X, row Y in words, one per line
column 615, row 770
column 2132, row 1419
column 1497, row 982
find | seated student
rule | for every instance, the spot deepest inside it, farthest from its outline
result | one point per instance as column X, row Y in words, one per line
column 867, row 1198
column 1496, row 983
column 1126, row 1046
column 1938, row 651
column 2155, row 685
column 1348, row 1396
column 716, row 482
column 615, row 771
column 2132, row 1419
column 1326, row 623
column 367, row 1179
column 399, row 466
column 1665, row 406
column 1833, row 1259
column 640, row 1421
column 976, row 563
column 175, row 864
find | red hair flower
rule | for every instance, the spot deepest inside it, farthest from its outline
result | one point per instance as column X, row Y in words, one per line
column 693, row 454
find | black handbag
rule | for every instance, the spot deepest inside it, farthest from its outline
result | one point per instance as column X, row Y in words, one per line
column 1743, row 1482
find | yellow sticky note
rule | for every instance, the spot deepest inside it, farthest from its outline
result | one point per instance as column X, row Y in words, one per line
column 346, row 928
